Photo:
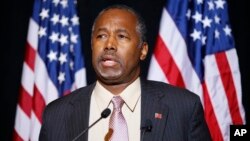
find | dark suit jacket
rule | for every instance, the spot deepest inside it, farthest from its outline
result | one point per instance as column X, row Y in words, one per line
column 181, row 114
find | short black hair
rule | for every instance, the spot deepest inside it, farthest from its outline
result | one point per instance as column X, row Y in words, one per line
column 141, row 26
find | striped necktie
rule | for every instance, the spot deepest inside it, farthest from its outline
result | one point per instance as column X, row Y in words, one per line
column 117, row 121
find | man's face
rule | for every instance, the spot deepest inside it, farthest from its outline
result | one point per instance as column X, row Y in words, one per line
column 116, row 47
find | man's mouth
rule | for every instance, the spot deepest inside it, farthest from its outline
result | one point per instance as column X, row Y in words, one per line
column 108, row 61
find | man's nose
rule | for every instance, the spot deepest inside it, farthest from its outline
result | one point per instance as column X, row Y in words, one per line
column 111, row 43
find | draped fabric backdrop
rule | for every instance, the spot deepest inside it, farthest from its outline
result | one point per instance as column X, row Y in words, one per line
column 53, row 64
column 195, row 49
column 16, row 20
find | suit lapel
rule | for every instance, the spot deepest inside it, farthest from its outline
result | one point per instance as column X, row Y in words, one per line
column 154, row 109
column 79, row 118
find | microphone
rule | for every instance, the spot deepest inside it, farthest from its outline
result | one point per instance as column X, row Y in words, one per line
column 105, row 113
column 147, row 128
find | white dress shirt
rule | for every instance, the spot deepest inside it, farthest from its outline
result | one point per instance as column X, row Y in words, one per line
column 101, row 99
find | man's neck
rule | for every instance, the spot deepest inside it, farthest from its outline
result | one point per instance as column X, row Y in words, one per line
column 116, row 89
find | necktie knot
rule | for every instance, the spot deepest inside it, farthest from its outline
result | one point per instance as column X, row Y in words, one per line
column 117, row 102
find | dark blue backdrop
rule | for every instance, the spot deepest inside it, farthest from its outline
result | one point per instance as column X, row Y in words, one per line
column 14, row 26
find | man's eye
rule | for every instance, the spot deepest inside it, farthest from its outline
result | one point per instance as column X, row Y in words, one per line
column 101, row 36
column 122, row 36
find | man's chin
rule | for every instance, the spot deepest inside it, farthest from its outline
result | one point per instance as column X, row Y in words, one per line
column 110, row 80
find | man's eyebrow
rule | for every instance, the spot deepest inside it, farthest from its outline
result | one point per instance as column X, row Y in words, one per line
column 121, row 31
column 101, row 29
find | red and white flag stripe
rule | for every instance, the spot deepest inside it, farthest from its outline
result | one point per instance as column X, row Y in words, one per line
column 220, row 92
column 37, row 90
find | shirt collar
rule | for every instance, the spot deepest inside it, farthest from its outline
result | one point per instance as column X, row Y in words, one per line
column 130, row 95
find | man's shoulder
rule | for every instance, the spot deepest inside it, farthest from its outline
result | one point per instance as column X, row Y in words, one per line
column 173, row 96
column 163, row 85
column 74, row 96
column 169, row 90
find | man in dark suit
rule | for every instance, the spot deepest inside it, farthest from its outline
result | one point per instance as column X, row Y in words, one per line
column 118, row 46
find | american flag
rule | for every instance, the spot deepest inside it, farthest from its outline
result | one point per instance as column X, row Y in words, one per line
column 195, row 49
column 53, row 64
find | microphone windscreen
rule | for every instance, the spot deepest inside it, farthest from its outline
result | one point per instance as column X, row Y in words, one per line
column 148, row 125
column 105, row 113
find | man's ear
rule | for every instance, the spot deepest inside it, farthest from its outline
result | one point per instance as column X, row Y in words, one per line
column 144, row 50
